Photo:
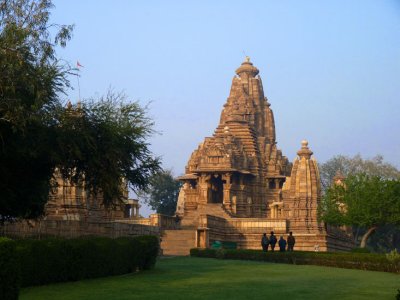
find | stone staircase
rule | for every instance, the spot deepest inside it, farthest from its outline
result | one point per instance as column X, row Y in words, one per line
column 178, row 242
column 214, row 209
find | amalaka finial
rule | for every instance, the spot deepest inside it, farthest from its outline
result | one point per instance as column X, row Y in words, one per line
column 247, row 68
column 304, row 151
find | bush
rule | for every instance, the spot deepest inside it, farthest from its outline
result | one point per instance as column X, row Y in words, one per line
column 209, row 253
column 393, row 256
column 149, row 250
column 360, row 250
column 363, row 261
column 9, row 270
column 58, row 260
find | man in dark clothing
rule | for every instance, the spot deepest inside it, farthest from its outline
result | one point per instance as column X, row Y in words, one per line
column 290, row 241
column 272, row 241
column 282, row 244
column 264, row 242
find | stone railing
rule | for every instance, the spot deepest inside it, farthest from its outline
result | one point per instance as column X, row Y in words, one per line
column 141, row 221
column 163, row 221
column 208, row 221
column 243, row 224
column 158, row 220
column 73, row 229
column 256, row 224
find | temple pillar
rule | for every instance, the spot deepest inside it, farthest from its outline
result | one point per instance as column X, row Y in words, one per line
column 277, row 182
column 227, row 191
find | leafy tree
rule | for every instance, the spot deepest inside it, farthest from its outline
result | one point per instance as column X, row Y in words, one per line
column 30, row 79
column 102, row 142
column 162, row 194
column 385, row 237
column 362, row 200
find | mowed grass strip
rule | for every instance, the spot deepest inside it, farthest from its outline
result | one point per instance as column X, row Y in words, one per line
column 202, row 278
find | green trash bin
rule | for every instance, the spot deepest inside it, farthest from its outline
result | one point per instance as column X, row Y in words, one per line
column 216, row 245
column 223, row 245
column 229, row 245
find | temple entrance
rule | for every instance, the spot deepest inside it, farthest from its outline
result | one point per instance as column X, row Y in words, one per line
column 216, row 190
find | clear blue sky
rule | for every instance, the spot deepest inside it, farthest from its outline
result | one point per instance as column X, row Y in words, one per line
column 330, row 69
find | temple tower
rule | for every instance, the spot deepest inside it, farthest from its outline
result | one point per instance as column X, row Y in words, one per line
column 302, row 192
column 240, row 166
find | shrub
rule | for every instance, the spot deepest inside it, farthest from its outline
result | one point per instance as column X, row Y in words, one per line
column 220, row 253
column 363, row 261
column 206, row 252
column 150, row 248
column 57, row 260
column 360, row 250
column 9, row 270
column 393, row 256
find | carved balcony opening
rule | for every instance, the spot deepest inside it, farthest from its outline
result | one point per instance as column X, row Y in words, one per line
column 216, row 189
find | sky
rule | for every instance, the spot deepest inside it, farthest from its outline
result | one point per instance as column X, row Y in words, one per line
column 330, row 69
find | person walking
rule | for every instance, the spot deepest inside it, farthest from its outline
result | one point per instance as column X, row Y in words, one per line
column 282, row 244
column 290, row 241
column 264, row 242
column 272, row 241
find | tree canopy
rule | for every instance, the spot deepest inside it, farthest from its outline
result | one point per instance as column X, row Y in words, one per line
column 362, row 200
column 162, row 194
column 386, row 237
column 102, row 141
column 346, row 165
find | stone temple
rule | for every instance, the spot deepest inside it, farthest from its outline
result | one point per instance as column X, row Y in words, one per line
column 238, row 184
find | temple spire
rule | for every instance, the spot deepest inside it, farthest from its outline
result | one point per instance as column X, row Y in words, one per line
column 247, row 69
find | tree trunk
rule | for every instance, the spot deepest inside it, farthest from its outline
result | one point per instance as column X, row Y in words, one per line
column 366, row 236
column 357, row 233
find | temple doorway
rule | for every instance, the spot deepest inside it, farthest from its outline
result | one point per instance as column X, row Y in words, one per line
column 216, row 189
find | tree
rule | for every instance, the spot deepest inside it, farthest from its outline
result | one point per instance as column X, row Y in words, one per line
column 30, row 79
column 385, row 237
column 362, row 200
column 375, row 166
column 102, row 142
column 162, row 194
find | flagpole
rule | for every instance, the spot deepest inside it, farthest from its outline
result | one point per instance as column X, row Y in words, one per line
column 79, row 88
column 79, row 66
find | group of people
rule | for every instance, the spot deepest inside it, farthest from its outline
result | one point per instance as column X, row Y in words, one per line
column 272, row 240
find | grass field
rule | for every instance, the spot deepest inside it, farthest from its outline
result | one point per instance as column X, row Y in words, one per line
column 201, row 278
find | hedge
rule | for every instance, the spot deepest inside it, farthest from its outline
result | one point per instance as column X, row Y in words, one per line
column 9, row 270
column 57, row 260
column 36, row 262
column 363, row 261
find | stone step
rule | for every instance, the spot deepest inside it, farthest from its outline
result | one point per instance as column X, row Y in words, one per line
column 178, row 242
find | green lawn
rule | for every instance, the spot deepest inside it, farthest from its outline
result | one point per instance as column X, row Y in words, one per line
column 202, row 278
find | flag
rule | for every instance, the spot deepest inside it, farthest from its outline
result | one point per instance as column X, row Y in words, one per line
column 78, row 64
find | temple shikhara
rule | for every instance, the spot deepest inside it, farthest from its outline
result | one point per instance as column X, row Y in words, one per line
column 238, row 184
